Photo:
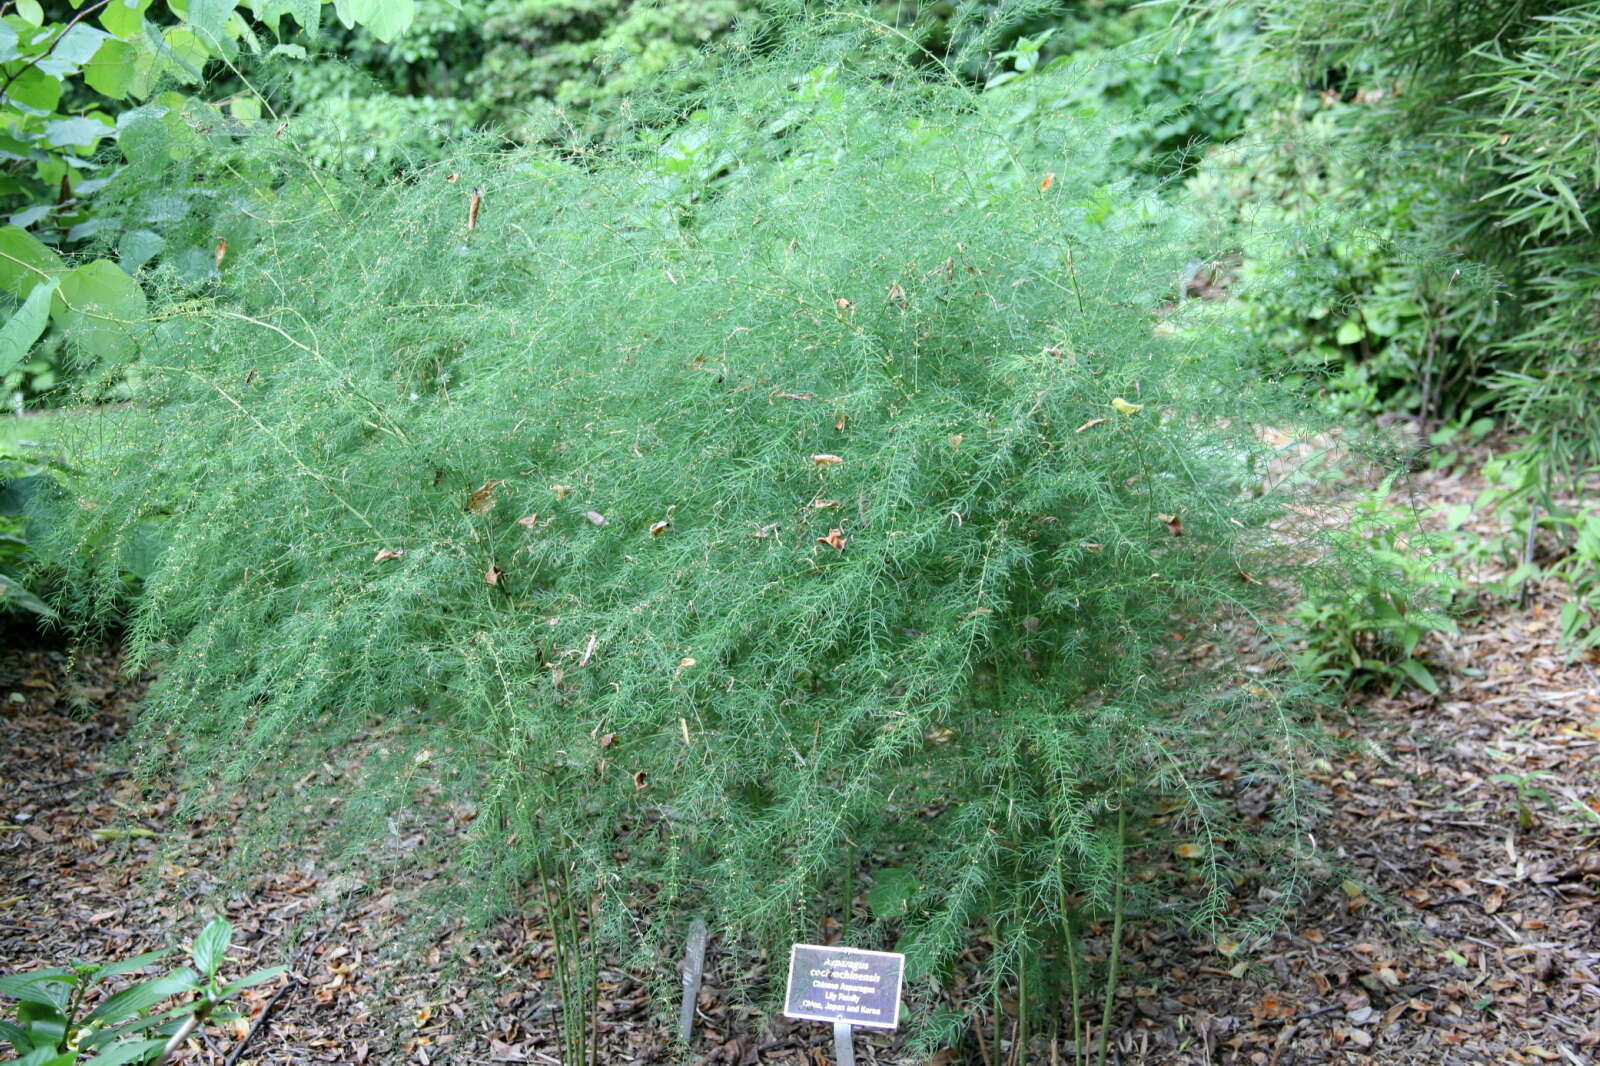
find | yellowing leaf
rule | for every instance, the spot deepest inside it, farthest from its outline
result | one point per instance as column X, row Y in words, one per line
column 1124, row 407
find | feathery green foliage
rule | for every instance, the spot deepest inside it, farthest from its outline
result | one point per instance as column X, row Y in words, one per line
column 826, row 475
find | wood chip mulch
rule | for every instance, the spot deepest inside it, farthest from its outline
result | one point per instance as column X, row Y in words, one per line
column 1456, row 921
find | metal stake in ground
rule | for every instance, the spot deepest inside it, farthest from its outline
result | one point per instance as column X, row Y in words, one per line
column 694, row 965
column 844, row 1044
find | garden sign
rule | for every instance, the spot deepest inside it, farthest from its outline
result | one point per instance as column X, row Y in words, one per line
column 845, row 986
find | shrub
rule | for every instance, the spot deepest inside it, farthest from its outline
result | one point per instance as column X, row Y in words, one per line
column 826, row 477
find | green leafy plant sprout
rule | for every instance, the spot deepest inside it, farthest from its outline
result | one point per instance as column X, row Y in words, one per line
column 1396, row 589
column 51, row 1023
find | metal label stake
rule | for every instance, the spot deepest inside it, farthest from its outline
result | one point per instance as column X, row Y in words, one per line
column 844, row 1044
column 845, row 986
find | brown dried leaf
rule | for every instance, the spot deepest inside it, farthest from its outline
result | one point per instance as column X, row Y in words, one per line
column 474, row 205
column 1049, row 180
column 481, row 501
column 561, row 491
column 388, row 553
column 641, row 780
column 493, row 575
column 1174, row 524
column 844, row 305
column 607, row 739
column 825, row 459
column 1091, row 424
column 221, row 252
column 835, row 539
column 530, row 522
column 660, row 527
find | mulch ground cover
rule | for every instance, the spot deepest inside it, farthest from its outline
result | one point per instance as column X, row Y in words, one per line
column 1455, row 922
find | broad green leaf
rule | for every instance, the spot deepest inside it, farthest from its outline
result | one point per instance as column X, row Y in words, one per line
column 22, row 330
column 1418, row 675
column 1350, row 332
column 384, row 19
column 308, row 13
column 78, row 132
column 256, row 978
column 131, row 1051
column 24, row 262
column 79, row 44
column 46, row 1056
column 106, row 1037
column 240, row 29
column 210, row 946
column 15, row 495
column 29, row 215
column 30, row 12
column 100, row 307
column 13, row 1035
column 210, row 20
column 8, row 43
column 15, row 595
column 46, row 988
column 142, row 997
column 184, row 52
column 125, row 18
column 892, row 891
column 245, row 108
column 131, row 965
column 114, row 70
column 138, row 247
column 36, row 89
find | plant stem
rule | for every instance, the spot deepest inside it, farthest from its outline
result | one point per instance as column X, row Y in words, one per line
column 190, row 1024
column 1020, row 1053
column 1116, row 934
column 1072, row 977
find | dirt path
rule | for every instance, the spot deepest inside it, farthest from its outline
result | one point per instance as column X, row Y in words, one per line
column 1457, row 923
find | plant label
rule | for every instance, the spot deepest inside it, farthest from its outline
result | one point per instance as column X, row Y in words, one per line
column 845, row 985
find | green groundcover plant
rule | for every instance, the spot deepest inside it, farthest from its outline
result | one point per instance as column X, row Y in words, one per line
column 828, row 478
column 59, row 1016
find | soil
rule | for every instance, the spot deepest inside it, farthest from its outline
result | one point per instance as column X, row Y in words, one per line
column 1456, row 922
